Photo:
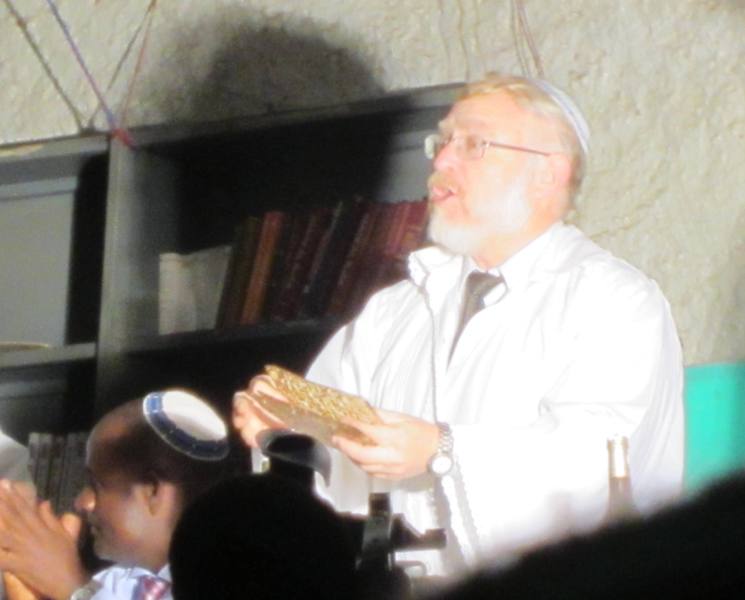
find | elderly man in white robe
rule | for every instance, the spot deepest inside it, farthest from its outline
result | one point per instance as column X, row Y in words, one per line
column 495, row 426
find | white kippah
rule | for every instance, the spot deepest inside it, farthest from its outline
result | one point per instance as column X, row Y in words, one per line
column 187, row 424
column 570, row 110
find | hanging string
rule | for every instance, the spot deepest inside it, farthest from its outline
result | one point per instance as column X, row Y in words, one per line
column 116, row 131
column 140, row 59
column 35, row 48
column 120, row 65
column 523, row 36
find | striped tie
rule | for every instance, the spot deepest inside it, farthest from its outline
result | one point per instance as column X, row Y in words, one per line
column 150, row 587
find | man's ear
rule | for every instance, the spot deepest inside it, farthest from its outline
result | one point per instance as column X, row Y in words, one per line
column 158, row 496
column 559, row 169
column 550, row 185
column 552, row 177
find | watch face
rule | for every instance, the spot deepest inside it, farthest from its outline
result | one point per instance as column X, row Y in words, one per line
column 441, row 464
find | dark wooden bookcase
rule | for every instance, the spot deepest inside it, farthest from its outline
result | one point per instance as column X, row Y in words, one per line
column 181, row 189
column 52, row 203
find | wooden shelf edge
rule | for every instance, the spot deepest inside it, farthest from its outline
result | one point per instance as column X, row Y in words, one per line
column 211, row 338
column 409, row 100
column 48, row 357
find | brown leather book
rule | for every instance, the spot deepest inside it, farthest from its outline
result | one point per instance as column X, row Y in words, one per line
column 293, row 229
column 239, row 272
column 349, row 273
column 289, row 296
column 258, row 283
column 330, row 257
column 364, row 278
column 406, row 237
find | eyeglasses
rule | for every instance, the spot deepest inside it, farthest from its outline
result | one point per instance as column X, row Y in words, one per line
column 469, row 147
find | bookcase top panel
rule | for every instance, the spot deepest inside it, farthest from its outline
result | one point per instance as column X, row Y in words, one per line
column 415, row 108
column 53, row 159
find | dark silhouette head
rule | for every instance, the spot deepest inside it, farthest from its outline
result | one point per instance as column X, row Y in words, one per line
column 261, row 536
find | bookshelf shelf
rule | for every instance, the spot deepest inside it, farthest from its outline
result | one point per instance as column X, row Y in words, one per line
column 48, row 357
column 208, row 340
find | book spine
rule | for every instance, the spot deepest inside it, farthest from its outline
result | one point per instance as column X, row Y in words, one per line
column 56, row 459
column 73, row 478
column 292, row 233
column 408, row 238
column 381, row 275
column 289, row 297
column 259, row 281
column 41, row 474
column 207, row 273
column 338, row 304
column 33, row 456
column 239, row 272
column 176, row 309
column 341, row 234
column 364, row 282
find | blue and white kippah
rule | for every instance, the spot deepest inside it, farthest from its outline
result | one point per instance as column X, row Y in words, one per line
column 570, row 109
column 187, row 423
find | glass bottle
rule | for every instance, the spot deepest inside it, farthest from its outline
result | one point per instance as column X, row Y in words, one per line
column 620, row 498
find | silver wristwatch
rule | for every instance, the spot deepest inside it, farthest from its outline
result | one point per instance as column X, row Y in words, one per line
column 442, row 460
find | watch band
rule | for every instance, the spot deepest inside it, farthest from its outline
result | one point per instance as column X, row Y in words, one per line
column 445, row 441
column 441, row 462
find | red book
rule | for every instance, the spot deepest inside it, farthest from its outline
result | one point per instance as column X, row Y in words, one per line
column 258, row 283
column 395, row 233
column 363, row 280
column 408, row 236
column 293, row 230
column 289, row 296
column 239, row 272
column 330, row 256
column 353, row 261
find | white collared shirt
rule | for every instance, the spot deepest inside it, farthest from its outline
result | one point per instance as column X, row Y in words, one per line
column 119, row 583
column 575, row 347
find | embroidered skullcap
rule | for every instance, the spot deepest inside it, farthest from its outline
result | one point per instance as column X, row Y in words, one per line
column 187, row 423
column 570, row 109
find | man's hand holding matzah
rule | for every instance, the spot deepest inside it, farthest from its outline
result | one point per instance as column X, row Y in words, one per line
column 280, row 398
column 249, row 418
column 385, row 444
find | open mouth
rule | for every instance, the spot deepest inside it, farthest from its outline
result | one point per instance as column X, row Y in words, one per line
column 439, row 194
column 440, row 188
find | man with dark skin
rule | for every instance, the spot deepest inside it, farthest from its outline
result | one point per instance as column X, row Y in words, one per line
column 138, row 485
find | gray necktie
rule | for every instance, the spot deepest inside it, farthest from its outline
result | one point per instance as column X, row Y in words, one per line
column 478, row 285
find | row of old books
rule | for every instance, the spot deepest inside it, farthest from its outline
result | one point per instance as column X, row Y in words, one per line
column 323, row 261
column 57, row 467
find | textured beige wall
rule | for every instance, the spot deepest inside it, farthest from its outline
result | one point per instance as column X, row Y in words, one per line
column 661, row 83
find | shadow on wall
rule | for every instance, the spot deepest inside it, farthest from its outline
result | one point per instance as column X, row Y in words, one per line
column 246, row 68
column 242, row 66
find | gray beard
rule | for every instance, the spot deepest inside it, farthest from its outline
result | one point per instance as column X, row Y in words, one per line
column 504, row 216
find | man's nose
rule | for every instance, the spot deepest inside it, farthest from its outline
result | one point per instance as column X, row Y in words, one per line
column 85, row 501
column 446, row 156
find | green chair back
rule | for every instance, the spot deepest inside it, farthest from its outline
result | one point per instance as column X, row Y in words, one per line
column 715, row 422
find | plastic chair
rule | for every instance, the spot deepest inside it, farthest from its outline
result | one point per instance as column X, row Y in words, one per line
column 715, row 422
